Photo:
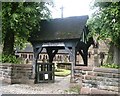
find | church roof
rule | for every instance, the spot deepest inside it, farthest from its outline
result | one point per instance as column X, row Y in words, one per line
column 60, row 29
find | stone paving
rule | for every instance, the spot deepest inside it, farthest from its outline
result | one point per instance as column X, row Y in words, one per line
column 62, row 85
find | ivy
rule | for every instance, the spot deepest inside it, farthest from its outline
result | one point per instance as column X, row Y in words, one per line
column 10, row 59
column 116, row 66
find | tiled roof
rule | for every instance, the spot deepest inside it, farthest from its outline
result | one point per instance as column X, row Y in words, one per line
column 60, row 29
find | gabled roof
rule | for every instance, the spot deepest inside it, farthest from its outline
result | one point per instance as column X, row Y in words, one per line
column 60, row 29
column 27, row 49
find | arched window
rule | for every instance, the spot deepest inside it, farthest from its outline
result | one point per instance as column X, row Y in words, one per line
column 46, row 57
column 69, row 58
column 24, row 55
column 40, row 57
column 58, row 57
column 30, row 56
column 102, row 55
column 96, row 45
column 43, row 59
column 89, row 54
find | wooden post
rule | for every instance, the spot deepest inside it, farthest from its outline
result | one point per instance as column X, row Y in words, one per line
column 34, row 63
column 73, row 60
column 85, row 57
column 34, row 69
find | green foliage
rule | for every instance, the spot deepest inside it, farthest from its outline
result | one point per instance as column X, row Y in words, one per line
column 10, row 59
column 111, row 66
column 105, row 21
column 22, row 18
column 19, row 19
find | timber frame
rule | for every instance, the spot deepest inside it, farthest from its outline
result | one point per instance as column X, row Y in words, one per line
column 71, row 36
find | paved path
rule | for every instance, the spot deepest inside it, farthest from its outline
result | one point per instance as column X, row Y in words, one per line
column 62, row 85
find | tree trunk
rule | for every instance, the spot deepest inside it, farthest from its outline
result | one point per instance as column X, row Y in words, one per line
column 116, row 57
column 113, row 55
column 8, row 48
column 110, row 55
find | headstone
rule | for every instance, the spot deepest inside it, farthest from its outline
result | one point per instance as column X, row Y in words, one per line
column 96, row 58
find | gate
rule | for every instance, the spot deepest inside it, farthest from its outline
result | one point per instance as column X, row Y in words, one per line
column 45, row 72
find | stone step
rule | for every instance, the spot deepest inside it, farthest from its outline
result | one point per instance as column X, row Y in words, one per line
column 85, row 90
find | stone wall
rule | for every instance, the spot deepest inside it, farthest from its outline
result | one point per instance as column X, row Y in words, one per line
column 96, row 80
column 16, row 73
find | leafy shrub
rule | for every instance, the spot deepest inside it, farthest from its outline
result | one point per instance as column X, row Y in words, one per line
column 111, row 66
column 9, row 59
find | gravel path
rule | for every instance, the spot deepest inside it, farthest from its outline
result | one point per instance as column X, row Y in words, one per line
column 62, row 85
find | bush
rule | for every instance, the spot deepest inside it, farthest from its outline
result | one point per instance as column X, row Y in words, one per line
column 111, row 66
column 9, row 59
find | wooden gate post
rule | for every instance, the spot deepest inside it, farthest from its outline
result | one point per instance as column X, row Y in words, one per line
column 73, row 60
column 36, row 52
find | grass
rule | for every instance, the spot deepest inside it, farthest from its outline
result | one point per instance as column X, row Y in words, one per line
column 74, row 89
column 62, row 72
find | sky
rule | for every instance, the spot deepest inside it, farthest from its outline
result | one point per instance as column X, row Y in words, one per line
column 71, row 8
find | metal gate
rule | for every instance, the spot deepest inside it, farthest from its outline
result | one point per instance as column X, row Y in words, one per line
column 45, row 72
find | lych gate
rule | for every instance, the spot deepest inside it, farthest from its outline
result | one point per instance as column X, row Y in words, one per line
column 63, row 33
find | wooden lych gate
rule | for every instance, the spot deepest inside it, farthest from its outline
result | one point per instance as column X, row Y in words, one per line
column 63, row 33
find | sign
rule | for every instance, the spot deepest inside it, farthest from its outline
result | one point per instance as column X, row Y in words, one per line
column 52, row 44
column 46, row 76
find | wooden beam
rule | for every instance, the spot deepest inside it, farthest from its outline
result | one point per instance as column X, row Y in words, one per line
column 90, row 42
column 51, row 53
column 84, row 55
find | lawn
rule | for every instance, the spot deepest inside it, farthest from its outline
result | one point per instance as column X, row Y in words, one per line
column 62, row 72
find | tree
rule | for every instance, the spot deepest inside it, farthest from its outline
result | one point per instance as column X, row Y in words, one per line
column 19, row 19
column 105, row 23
